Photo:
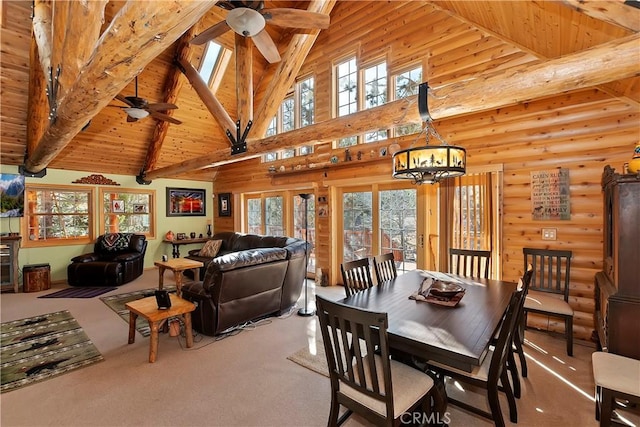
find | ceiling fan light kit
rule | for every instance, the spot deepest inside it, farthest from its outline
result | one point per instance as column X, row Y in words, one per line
column 246, row 22
column 136, row 113
column 138, row 108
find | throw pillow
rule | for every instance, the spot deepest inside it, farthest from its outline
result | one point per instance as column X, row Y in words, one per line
column 113, row 242
column 210, row 249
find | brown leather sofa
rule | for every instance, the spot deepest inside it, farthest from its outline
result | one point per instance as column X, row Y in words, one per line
column 251, row 277
column 117, row 258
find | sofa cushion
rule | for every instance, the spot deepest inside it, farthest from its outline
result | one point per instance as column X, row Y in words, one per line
column 210, row 249
column 114, row 242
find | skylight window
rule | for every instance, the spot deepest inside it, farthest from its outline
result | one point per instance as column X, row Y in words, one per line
column 213, row 64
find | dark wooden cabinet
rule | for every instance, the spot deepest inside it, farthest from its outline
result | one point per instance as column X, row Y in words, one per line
column 618, row 286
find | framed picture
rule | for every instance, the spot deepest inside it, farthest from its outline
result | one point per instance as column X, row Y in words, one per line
column 138, row 208
column 181, row 236
column 224, row 204
column 186, row 202
column 117, row 206
column 12, row 195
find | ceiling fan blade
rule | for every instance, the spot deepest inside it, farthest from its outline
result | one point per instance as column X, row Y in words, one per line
column 296, row 18
column 161, row 106
column 164, row 117
column 266, row 46
column 125, row 100
column 131, row 119
column 211, row 33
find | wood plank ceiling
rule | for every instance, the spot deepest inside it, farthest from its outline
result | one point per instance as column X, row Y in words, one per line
column 548, row 36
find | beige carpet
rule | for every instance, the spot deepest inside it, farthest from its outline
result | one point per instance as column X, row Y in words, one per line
column 317, row 362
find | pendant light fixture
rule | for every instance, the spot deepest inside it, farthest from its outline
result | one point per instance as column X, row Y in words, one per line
column 429, row 163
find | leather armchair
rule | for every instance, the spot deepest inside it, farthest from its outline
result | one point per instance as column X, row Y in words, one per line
column 117, row 258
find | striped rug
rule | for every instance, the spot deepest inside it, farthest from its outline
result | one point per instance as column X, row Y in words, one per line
column 41, row 347
column 81, row 292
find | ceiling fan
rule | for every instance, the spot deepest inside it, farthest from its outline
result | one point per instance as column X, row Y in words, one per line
column 248, row 18
column 138, row 108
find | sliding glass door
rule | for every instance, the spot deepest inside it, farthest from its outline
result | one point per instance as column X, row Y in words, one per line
column 380, row 219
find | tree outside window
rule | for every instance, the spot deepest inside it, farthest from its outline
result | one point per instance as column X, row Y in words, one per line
column 347, row 87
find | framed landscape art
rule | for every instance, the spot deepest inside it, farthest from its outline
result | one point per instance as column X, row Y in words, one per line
column 186, row 202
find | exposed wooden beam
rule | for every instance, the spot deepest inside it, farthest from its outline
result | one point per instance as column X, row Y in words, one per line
column 614, row 60
column 612, row 11
column 38, row 112
column 83, row 23
column 279, row 79
column 244, row 80
column 60, row 15
column 138, row 33
column 172, row 88
column 208, row 98
column 42, row 27
column 601, row 64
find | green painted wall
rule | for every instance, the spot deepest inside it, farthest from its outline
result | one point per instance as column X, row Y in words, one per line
column 59, row 256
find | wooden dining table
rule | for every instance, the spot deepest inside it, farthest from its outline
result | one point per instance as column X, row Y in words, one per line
column 456, row 336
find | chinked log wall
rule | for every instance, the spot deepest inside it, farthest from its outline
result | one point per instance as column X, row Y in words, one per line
column 581, row 131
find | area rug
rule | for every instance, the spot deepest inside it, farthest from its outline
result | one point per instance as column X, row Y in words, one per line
column 316, row 362
column 117, row 304
column 83, row 292
column 42, row 347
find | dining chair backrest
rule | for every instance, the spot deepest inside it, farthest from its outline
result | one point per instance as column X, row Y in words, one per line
column 357, row 347
column 551, row 270
column 356, row 276
column 470, row 263
column 505, row 337
column 385, row 267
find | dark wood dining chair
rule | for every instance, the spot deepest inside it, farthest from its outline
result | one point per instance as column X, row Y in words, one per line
column 518, row 336
column 356, row 276
column 549, row 288
column 384, row 267
column 470, row 263
column 492, row 374
column 364, row 378
column 517, row 339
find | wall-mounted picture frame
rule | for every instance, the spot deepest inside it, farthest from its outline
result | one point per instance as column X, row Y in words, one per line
column 224, row 204
column 117, row 206
column 186, row 202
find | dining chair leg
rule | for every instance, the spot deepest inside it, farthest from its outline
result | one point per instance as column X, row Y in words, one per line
column 517, row 341
column 598, row 400
column 513, row 409
column 568, row 324
column 334, row 412
column 440, row 400
column 606, row 408
column 513, row 370
column 494, row 405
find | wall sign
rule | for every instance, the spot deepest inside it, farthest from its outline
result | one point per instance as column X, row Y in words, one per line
column 550, row 195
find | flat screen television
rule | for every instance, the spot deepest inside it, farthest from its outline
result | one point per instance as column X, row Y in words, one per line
column 11, row 195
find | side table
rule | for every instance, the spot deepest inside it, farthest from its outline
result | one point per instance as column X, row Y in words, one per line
column 175, row 244
column 178, row 266
column 148, row 309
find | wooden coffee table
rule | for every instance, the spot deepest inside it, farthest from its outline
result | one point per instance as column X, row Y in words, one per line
column 148, row 309
column 178, row 266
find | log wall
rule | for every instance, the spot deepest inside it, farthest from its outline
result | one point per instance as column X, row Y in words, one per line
column 582, row 131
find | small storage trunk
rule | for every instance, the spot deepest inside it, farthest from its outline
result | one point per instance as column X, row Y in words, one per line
column 36, row 277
